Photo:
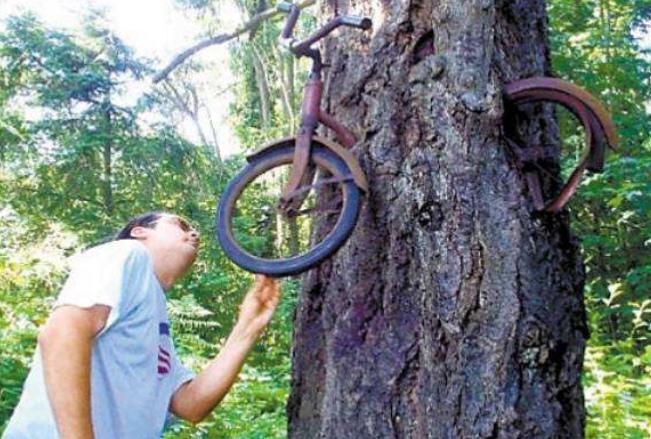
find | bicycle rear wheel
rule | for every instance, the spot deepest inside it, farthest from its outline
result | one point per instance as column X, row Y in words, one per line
column 553, row 171
column 260, row 237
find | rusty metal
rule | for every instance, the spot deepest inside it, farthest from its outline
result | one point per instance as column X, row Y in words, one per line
column 302, row 174
column 300, row 49
column 540, row 85
column 599, row 129
column 332, row 207
column 293, row 201
column 344, row 135
column 290, row 23
column 568, row 190
column 353, row 164
column 312, row 101
column 358, row 175
column 309, row 121
column 321, row 183
column 303, row 190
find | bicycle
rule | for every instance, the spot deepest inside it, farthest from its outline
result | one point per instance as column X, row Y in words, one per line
column 310, row 157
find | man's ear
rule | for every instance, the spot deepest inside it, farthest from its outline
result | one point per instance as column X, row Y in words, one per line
column 139, row 232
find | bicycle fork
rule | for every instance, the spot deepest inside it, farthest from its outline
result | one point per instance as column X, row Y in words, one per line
column 301, row 175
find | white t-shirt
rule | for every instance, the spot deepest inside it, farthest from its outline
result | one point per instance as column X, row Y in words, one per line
column 134, row 368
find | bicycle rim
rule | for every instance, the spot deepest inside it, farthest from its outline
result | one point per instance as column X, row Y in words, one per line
column 260, row 236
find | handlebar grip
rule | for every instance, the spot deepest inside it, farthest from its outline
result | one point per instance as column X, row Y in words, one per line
column 285, row 7
column 292, row 18
column 356, row 21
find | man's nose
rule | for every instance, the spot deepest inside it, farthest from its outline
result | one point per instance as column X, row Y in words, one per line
column 194, row 234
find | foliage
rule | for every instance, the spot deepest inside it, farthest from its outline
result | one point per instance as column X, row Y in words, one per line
column 266, row 104
column 618, row 391
column 594, row 44
column 614, row 213
column 85, row 161
column 32, row 262
column 78, row 156
column 255, row 408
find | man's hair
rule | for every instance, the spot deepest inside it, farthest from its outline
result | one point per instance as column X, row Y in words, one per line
column 145, row 220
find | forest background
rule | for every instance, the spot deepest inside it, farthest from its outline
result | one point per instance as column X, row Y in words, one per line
column 79, row 155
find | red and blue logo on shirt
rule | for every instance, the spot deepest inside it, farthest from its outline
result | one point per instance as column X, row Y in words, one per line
column 164, row 354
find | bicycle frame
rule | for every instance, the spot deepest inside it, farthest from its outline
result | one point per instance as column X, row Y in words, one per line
column 312, row 116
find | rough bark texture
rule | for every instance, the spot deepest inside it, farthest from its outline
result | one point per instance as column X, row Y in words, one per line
column 453, row 311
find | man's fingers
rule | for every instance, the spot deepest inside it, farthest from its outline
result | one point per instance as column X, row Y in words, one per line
column 270, row 292
column 265, row 291
column 262, row 281
column 259, row 280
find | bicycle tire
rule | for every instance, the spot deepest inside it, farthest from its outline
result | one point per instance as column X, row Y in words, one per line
column 598, row 126
column 262, row 163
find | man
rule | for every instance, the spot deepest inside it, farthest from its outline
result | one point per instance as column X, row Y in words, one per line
column 105, row 366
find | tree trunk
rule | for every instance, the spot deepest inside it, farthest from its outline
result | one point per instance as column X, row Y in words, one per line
column 107, row 153
column 454, row 311
column 294, row 237
column 263, row 86
column 188, row 104
column 215, row 139
column 286, row 82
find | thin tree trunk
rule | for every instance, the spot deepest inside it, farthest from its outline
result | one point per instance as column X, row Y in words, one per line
column 213, row 131
column 202, row 136
column 106, row 159
column 294, row 238
column 454, row 311
column 291, row 94
column 189, row 106
column 263, row 86
column 287, row 90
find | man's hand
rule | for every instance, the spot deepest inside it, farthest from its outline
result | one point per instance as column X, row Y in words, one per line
column 195, row 399
column 260, row 303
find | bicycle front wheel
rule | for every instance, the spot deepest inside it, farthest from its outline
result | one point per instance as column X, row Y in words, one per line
column 260, row 237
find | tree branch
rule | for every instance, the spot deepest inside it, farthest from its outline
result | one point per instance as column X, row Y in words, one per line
column 222, row 38
column 177, row 99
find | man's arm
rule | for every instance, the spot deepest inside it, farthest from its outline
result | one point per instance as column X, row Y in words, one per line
column 196, row 399
column 66, row 342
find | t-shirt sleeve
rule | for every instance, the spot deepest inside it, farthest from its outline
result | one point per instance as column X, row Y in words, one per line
column 181, row 374
column 101, row 276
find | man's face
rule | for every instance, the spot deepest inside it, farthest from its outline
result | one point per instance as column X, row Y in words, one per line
column 175, row 240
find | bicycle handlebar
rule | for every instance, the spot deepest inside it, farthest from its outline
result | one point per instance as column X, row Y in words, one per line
column 303, row 47
column 356, row 21
column 285, row 7
column 292, row 18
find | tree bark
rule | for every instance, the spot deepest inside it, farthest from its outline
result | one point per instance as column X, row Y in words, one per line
column 454, row 311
